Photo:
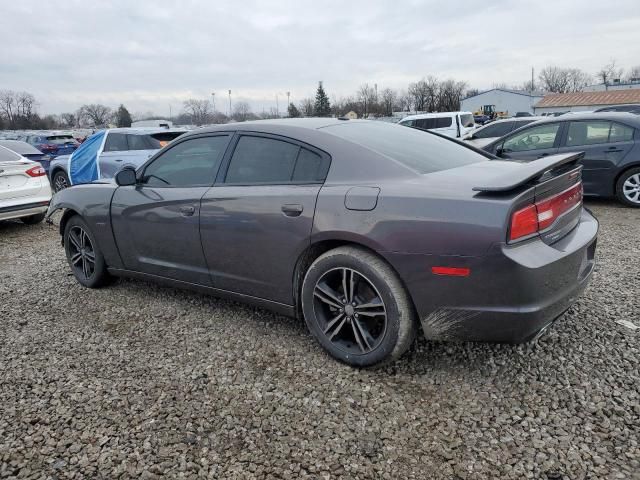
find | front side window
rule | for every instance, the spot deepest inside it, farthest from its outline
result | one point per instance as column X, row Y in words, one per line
column 535, row 138
column 494, row 130
column 191, row 163
column 116, row 142
column 588, row 133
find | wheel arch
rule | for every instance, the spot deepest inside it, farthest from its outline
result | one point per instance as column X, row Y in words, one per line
column 624, row 170
column 321, row 246
column 66, row 216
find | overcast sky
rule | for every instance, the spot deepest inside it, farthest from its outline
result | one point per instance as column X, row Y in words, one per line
column 149, row 54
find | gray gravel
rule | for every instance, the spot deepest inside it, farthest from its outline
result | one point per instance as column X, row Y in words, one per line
column 141, row 381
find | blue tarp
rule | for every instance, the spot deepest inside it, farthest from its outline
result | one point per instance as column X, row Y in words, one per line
column 83, row 164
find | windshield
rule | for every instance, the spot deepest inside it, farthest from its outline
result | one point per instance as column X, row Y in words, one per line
column 467, row 120
column 421, row 151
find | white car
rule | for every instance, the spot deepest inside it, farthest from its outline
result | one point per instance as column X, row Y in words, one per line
column 451, row 124
column 491, row 131
column 25, row 192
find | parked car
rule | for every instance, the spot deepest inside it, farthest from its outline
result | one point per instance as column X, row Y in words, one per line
column 450, row 124
column 107, row 151
column 28, row 151
column 490, row 132
column 53, row 144
column 523, row 114
column 630, row 108
column 24, row 188
column 610, row 142
column 365, row 229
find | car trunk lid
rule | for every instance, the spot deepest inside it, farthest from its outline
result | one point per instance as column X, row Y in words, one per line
column 15, row 182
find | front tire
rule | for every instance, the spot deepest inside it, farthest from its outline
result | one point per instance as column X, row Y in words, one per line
column 33, row 219
column 60, row 181
column 628, row 187
column 355, row 305
column 83, row 255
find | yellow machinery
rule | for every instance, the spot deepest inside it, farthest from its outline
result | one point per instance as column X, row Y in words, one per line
column 490, row 111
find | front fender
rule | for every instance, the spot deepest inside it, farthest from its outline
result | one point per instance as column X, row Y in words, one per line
column 92, row 202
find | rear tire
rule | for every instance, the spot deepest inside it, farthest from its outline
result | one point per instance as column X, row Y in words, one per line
column 83, row 255
column 60, row 181
column 33, row 219
column 628, row 188
column 355, row 305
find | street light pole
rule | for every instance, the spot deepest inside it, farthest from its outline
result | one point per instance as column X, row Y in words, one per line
column 229, row 103
column 213, row 100
column 288, row 102
column 277, row 107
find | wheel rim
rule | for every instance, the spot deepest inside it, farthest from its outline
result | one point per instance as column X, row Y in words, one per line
column 631, row 188
column 82, row 255
column 349, row 311
column 60, row 183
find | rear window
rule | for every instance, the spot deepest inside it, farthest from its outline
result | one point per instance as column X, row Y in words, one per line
column 7, row 155
column 60, row 139
column 423, row 152
column 160, row 139
column 494, row 130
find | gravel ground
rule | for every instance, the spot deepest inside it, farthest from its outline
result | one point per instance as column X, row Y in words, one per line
column 141, row 381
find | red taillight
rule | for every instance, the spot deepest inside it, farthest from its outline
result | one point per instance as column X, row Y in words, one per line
column 539, row 216
column 452, row 271
column 37, row 171
column 48, row 146
column 524, row 222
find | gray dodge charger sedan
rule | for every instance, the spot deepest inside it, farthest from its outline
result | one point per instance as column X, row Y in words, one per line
column 367, row 230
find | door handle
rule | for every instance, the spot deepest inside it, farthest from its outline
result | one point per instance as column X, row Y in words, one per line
column 118, row 159
column 614, row 150
column 187, row 211
column 292, row 209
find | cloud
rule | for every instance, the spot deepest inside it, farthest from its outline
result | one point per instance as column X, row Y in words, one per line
column 152, row 54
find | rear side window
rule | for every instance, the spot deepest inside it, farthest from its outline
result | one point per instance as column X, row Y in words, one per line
column 116, row 142
column 620, row 133
column 588, row 133
column 494, row 130
column 434, row 122
column 140, row 142
column 310, row 167
column 420, row 151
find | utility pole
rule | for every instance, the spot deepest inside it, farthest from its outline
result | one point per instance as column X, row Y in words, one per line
column 277, row 107
column 170, row 116
column 288, row 102
column 213, row 100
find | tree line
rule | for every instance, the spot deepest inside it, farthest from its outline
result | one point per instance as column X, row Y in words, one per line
column 18, row 110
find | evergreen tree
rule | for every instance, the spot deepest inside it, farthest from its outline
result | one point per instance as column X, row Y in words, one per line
column 322, row 105
column 293, row 111
column 123, row 117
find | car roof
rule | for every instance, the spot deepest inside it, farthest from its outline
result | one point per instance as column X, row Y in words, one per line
column 145, row 131
column 312, row 123
column 19, row 146
column 624, row 105
column 434, row 114
column 625, row 117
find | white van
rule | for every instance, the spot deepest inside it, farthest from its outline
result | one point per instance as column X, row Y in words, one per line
column 153, row 123
column 451, row 124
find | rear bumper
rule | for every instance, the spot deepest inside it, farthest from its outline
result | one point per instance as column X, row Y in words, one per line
column 24, row 210
column 512, row 292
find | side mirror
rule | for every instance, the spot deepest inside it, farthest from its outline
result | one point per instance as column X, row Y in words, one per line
column 499, row 151
column 126, row 177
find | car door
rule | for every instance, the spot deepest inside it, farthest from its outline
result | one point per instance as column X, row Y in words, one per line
column 605, row 145
column 156, row 223
column 257, row 219
column 111, row 159
column 530, row 143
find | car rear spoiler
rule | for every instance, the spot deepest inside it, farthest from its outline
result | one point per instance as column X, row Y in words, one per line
column 528, row 171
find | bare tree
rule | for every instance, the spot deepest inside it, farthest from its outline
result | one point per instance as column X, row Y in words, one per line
column 242, row 112
column 18, row 109
column 609, row 72
column 307, row 107
column 388, row 97
column 578, row 80
column 366, row 95
column 96, row 114
column 69, row 120
column 634, row 73
column 562, row 80
column 450, row 94
column 199, row 110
